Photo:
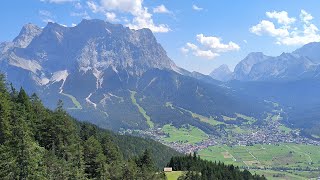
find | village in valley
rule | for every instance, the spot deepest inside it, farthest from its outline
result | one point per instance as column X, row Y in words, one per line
column 271, row 132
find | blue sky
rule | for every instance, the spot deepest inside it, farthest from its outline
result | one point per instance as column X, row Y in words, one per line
column 198, row 35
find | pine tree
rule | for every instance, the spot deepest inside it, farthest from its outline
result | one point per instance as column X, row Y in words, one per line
column 94, row 159
column 27, row 153
column 5, row 106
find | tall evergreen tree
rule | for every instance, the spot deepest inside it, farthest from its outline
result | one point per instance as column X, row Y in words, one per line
column 27, row 153
column 5, row 106
column 94, row 159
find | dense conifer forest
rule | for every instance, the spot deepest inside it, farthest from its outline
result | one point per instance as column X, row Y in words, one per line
column 198, row 169
column 38, row 143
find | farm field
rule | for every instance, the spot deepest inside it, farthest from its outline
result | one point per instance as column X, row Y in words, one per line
column 186, row 134
column 277, row 175
column 293, row 158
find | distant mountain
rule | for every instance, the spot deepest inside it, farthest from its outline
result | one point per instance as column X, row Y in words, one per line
column 284, row 67
column 115, row 77
column 243, row 68
column 27, row 34
column 222, row 73
column 304, row 63
column 311, row 51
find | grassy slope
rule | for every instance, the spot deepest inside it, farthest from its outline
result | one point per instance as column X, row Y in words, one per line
column 210, row 120
column 141, row 110
column 174, row 175
column 74, row 100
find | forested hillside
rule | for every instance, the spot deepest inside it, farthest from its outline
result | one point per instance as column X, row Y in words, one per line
column 37, row 143
column 199, row 169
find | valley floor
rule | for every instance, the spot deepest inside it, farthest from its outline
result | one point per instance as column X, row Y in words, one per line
column 282, row 160
column 266, row 147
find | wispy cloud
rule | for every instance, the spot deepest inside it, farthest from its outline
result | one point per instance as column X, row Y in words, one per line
column 112, row 17
column 196, row 8
column 161, row 9
column 58, row 1
column 83, row 15
column 78, row 5
column 46, row 16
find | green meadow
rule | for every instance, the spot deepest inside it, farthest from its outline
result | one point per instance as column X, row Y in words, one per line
column 174, row 175
column 186, row 134
column 76, row 103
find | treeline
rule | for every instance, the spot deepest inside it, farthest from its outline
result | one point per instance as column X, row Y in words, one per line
column 38, row 143
column 198, row 169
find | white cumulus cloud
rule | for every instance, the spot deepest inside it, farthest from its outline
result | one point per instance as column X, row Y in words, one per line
column 208, row 47
column 267, row 27
column 215, row 44
column 141, row 16
column 305, row 16
column 282, row 17
column 289, row 31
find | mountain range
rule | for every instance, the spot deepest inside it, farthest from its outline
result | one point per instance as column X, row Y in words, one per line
column 300, row 64
column 291, row 79
column 116, row 77
column 122, row 79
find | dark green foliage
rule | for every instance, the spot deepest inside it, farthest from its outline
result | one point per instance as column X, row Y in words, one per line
column 198, row 169
column 94, row 159
column 133, row 146
column 37, row 143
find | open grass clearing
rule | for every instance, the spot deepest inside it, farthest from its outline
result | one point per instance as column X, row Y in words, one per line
column 174, row 175
column 141, row 110
column 76, row 103
column 186, row 134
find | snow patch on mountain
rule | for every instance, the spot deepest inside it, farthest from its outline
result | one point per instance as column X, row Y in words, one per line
column 90, row 102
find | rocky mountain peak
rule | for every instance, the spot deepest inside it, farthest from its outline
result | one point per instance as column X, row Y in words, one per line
column 222, row 73
column 26, row 35
column 311, row 51
column 244, row 67
column 93, row 48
